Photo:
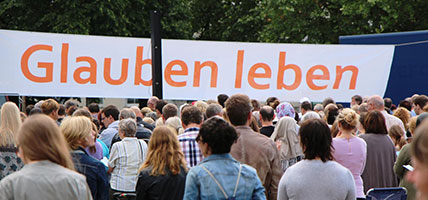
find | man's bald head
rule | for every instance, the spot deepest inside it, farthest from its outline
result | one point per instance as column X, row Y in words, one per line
column 375, row 102
column 137, row 111
column 267, row 113
column 151, row 103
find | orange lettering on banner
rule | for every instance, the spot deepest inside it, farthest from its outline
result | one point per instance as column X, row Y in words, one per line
column 197, row 74
column 281, row 69
column 339, row 72
column 252, row 74
column 47, row 65
column 169, row 72
column 64, row 63
column 239, row 66
column 310, row 76
column 123, row 75
column 139, row 62
column 92, row 69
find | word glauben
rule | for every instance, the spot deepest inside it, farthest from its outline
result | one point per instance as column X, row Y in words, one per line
column 183, row 70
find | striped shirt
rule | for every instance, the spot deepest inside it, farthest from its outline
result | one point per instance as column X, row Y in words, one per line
column 190, row 147
column 126, row 157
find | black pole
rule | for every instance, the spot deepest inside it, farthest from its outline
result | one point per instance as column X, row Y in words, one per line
column 155, row 27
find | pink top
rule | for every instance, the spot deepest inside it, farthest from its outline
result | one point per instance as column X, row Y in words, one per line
column 352, row 154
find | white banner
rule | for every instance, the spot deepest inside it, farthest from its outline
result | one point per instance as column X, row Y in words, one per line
column 46, row 64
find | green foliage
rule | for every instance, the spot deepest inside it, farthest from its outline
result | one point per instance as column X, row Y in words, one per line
column 292, row 21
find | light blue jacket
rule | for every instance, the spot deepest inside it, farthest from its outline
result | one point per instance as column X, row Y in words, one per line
column 107, row 135
column 200, row 185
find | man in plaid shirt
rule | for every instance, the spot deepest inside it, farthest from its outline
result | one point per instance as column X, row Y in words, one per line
column 191, row 118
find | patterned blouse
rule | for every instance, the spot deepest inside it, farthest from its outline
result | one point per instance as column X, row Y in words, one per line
column 9, row 161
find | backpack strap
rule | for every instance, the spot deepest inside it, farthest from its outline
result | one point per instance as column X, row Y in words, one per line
column 237, row 181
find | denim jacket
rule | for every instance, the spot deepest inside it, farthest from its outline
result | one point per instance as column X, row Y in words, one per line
column 200, row 185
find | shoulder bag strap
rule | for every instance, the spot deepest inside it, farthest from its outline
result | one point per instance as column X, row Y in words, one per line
column 237, row 181
column 215, row 180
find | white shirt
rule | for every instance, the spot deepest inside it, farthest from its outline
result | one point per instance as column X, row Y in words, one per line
column 126, row 157
column 392, row 120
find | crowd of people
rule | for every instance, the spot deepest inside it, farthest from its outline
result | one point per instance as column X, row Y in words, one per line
column 229, row 148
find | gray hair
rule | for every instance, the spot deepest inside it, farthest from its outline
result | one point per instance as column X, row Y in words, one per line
column 377, row 102
column 127, row 113
column 128, row 127
column 214, row 109
column 310, row 115
column 319, row 107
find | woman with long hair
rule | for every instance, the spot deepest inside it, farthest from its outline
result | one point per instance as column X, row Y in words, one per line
column 163, row 173
column 48, row 172
column 79, row 135
column 381, row 154
column 349, row 150
column 10, row 123
column 317, row 176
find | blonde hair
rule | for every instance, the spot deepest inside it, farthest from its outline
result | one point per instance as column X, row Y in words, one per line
column 148, row 120
column 39, row 139
column 10, row 124
column 202, row 106
column 164, row 153
column 404, row 115
column 49, row 106
column 348, row 119
column 175, row 123
column 75, row 129
column 412, row 124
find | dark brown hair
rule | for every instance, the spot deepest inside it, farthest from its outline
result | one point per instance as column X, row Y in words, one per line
column 238, row 107
column 374, row 122
column 191, row 114
column 316, row 140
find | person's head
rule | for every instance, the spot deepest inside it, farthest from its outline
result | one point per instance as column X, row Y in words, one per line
column 331, row 111
column 221, row 99
column 39, row 139
column 175, row 123
column 396, row 133
column 412, row 124
column 50, row 107
column 137, row 111
column 61, row 111
column 272, row 102
column 38, row 105
column 309, row 115
column 238, row 109
column 151, row 103
column 201, row 105
column 305, row 107
column 327, row 101
column 77, row 132
column 82, row 112
column 347, row 119
column 94, row 108
column 267, row 114
column 28, row 109
column 419, row 103
column 213, row 110
column 363, row 108
column 387, row 102
column 127, row 128
column 316, row 140
column 318, row 108
column 285, row 109
column 375, row 102
column 375, row 123
column 35, row 111
column 403, row 114
column 148, row 120
column 10, row 123
column 109, row 114
column 422, row 117
column 406, row 104
column 126, row 113
column 159, row 106
column 216, row 136
column 164, row 153
column 71, row 105
column 255, row 104
column 169, row 110
column 360, row 126
column 356, row 100
column 419, row 152
column 145, row 111
column 191, row 115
